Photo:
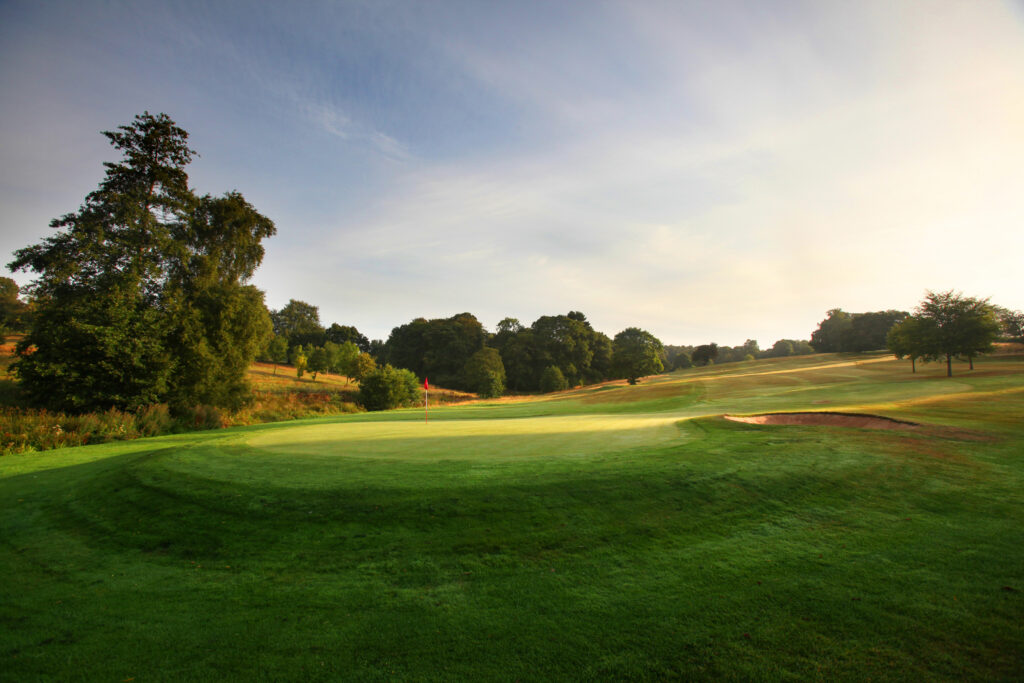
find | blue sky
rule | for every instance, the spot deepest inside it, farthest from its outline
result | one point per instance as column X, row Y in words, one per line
column 709, row 171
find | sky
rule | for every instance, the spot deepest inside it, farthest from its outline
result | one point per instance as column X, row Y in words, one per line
column 705, row 170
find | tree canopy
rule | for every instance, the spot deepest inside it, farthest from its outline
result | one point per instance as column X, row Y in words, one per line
column 299, row 323
column 705, row 354
column 13, row 311
column 636, row 353
column 339, row 334
column 856, row 332
column 946, row 325
column 956, row 325
column 438, row 348
column 388, row 387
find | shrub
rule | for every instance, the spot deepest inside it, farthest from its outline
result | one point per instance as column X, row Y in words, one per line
column 154, row 420
column 203, row 417
column 388, row 387
column 552, row 379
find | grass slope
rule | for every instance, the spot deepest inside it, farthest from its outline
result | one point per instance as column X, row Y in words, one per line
column 612, row 532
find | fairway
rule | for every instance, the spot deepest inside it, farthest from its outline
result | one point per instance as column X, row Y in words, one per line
column 606, row 533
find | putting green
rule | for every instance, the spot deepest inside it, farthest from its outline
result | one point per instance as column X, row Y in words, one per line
column 576, row 435
column 438, row 454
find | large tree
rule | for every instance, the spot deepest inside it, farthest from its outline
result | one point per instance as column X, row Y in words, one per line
column 564, row 341
column 1012, row 323
column 832, row 332
column 911, row 338
column 957, row 325
column 299, row 323
column 636, row 353
column 339, row 334
column 140, row 296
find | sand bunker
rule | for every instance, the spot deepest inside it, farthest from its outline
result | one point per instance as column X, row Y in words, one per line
column 824, row 419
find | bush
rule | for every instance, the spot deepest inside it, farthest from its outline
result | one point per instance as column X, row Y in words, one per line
column 203, row 417
column 154, row 420
column 552, row 379
column 388, row 387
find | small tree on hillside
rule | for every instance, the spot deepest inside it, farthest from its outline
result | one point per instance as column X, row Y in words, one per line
column 363, row 366
column 318, row 361
column 346, row 358
column 276, row 351
column 911, row 338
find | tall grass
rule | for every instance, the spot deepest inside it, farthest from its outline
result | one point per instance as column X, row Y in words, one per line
column 24, row 430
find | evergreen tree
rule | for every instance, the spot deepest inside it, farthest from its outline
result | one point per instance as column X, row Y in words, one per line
column 140, row 296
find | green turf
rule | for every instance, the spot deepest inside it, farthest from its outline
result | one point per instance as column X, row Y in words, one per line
column 612, row 533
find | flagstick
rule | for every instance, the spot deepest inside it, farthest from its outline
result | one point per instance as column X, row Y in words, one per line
column 426, row 401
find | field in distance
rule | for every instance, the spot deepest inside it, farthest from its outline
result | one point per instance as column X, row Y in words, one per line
column 611, row 532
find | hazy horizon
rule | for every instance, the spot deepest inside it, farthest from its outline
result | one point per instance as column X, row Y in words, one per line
column 709, row 172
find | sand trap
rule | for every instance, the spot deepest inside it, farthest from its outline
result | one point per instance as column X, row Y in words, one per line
column 824, row 419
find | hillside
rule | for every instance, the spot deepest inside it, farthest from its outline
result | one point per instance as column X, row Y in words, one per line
column 278, row 395
column 612, row 532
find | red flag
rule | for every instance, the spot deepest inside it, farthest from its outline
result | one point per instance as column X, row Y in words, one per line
column 425, row 385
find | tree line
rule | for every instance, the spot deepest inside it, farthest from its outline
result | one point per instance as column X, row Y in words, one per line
column 142, row 298
column 553, row 353
column 682, row 357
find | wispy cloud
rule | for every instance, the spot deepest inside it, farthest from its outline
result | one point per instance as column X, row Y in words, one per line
column 836, row 193
column 709, row 171
column 333, row 120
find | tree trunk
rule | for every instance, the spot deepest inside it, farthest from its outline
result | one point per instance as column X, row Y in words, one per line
column 949, row 365
column 913, row 364
column 971, row 360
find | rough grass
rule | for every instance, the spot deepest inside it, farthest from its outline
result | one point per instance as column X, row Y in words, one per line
column 642, row 538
